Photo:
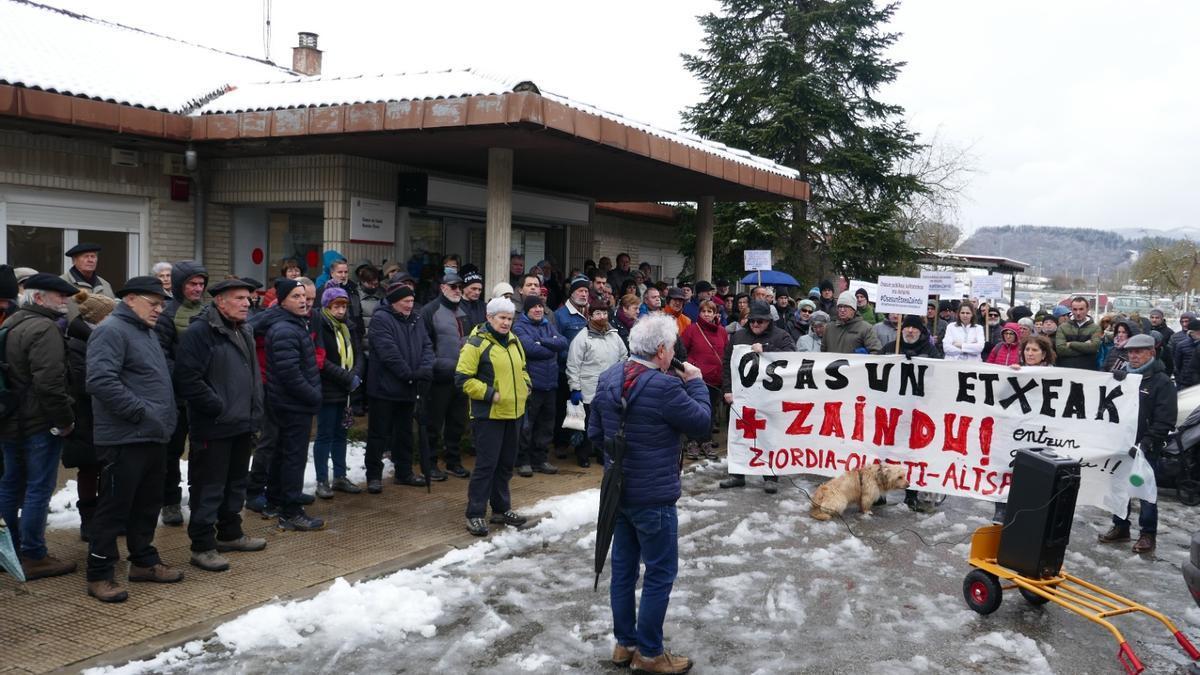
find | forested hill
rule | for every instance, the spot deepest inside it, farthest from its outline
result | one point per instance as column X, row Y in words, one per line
column 1046, row 249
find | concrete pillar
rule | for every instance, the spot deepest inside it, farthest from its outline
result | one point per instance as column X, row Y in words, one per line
column 704, row 239
column 499, row 217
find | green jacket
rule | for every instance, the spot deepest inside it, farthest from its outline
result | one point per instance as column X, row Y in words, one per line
column 485, row 367
column 868, row 314
column 36, row 352
column 1076, row 346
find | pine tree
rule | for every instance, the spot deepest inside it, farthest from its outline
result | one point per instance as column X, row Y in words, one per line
column 797, row 81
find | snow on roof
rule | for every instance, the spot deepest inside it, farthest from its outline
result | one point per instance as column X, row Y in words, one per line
column 55, row 50
column 302, row 92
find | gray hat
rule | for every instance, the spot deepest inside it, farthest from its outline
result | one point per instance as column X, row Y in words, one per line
column 1156, row 312
column 847, row 299
column 1140, row 341
column 819, row 317
column 759, row 310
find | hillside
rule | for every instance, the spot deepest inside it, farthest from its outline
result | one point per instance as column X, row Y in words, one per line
column 1051, row 250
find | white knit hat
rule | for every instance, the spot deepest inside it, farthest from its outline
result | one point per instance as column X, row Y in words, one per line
column 847, row 298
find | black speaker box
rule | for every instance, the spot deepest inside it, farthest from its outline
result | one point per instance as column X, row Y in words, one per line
column 412, row 189
column 1041, row 508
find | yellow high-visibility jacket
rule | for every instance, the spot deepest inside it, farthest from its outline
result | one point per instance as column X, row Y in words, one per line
column 485, row 366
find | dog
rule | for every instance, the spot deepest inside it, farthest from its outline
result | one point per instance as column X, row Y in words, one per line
column 863, row 486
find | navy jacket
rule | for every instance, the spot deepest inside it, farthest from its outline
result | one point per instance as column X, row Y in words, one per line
column 661, row 408
column 543, row 344
column 401, row 355
column 336, row 378
column 133, row 400
column 293, row 380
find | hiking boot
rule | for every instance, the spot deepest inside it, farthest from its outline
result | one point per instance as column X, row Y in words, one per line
column 301, row 522
column 270, row 511
column 46, row 567
column 525, row 471
column 710, row 450
column 546, row 468
column 436, row 474
column 159, row 574
column 623, row 655
column 346, row 485
column 477, row 527
column 374, row 486
column 692, row 450
column 210, row 561
column 665, row 662
column 324, row 491
column 306, row 499
column 733, row 481
column 458, row 470
column 1116, row 533
column 509, row 517
column 106, row 591
column 242, row 543
column 412, row 480
column 172, row 515
column 256, row 503
column 1145, row 543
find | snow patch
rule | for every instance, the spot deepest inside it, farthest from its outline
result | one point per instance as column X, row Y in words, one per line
column 841, row 555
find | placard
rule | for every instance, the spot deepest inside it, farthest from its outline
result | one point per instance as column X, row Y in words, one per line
column 902, row 295
column 372, row 221
column 988, row 287
column 756, row 261
column 940, row 283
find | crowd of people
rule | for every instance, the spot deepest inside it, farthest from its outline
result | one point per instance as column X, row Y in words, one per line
column 117, row 383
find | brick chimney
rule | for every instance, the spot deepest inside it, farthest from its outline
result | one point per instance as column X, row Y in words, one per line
column 306, row 58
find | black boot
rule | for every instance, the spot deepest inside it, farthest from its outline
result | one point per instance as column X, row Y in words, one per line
column 87, row 509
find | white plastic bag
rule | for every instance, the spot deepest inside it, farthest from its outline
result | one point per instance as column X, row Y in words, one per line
column 575, row 419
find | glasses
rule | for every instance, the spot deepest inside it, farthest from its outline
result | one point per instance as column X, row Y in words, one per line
column 454, row 287
column 155, row 303
column 804, row 310
column 760, row 321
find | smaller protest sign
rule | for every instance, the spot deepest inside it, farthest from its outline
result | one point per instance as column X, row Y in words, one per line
column 902, row 295
column 987, row 287
column 940, row 283
column 756, row 260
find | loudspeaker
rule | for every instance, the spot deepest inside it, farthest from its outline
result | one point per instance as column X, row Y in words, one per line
column 412, row 189
column 1041, row 509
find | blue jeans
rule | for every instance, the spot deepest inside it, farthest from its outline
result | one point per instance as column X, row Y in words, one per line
column 31, row 468
column 1147, row 515
column 648, row 535
column 330, row 442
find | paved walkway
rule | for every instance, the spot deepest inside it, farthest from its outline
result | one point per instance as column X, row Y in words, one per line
column 52, row 624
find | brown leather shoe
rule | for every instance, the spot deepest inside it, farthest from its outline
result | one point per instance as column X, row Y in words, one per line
column 159, row 574
column 46, row 567
column 1145, row 544
column 665, row 662
column 106, row 591
column 622, row 655
column 1115, row 533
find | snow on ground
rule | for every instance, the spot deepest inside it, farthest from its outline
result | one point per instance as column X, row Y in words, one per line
column 762, row 588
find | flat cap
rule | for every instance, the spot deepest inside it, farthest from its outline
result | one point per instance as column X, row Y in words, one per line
column 143, row 284
column 83, row 247
column 44, row 281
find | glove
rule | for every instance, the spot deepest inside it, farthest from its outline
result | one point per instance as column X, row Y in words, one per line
column 355, row 382
column 577, row 397
column 860, row 350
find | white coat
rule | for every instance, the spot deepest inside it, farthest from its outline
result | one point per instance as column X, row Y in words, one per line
column 969, row 339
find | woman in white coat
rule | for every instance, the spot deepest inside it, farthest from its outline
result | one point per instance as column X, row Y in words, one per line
column 964, row 339
column 592, row 351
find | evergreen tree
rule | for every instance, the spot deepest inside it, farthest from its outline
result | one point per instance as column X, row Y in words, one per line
column 797, row 81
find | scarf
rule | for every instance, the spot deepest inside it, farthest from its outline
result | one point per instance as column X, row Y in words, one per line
column 342, row 334
column 600, row 326
column 1138, row 371
column 625, row 321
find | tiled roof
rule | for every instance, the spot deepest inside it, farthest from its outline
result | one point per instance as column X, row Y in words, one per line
column 305, row 92
column 54, row 50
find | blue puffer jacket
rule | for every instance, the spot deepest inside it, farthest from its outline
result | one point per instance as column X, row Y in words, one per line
column 569, row 324
column 401, row 355
column 543, row 344
column 661, row 408
column 293, row 379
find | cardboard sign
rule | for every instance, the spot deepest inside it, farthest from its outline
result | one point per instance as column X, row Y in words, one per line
column 902, row 295
column 953, row 425
column 988, row 287
column 940, row 283
column 755, row 261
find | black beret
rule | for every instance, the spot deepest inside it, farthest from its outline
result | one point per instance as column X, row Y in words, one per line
column 44, row 281
column 229, row 285
column 83, row 247
column 142, row 284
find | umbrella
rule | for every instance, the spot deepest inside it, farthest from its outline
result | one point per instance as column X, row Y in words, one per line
column 770, row 278
column 8, row 555
column 427, row 461
column 610, row 495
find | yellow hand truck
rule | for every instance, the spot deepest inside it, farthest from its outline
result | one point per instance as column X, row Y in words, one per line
column 982, row 590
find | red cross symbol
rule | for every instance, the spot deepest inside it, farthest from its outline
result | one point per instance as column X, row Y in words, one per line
column 750, row 423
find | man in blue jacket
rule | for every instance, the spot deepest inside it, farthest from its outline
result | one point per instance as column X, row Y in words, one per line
column 542, row 344
column 400, row 376
column 293, row 394
column 133, row 404
column 661, row 407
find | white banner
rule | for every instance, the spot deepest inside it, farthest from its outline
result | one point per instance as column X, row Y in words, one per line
column 953, row 424
column 987, row 287
column 940, row 283
column 902, row 295
column 756, row 261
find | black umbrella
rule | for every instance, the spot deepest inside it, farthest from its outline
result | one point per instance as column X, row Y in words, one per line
column 426, row 452
column 610, row 494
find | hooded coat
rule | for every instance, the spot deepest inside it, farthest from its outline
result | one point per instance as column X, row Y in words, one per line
column 167, row 327
column 1158, row 407
column 846, row 337
column 591, row 353
column 1004, row 354
column 37, row 359
column 705, row 343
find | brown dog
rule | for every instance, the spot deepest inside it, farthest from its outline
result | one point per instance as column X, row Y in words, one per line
column 863, row 486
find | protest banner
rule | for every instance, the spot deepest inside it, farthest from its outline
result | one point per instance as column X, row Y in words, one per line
column 953, row 425
column 902, row 295
column 940, row 283
column 987, row 287
column 756, row 261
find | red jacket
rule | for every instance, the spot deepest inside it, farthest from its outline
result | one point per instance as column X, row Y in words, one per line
column 706, row 354
column 1004, row 354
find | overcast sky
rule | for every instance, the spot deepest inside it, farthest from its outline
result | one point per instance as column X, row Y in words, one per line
column 1078, row 113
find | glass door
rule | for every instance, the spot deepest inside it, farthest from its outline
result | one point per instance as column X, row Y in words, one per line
column 38, row 247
